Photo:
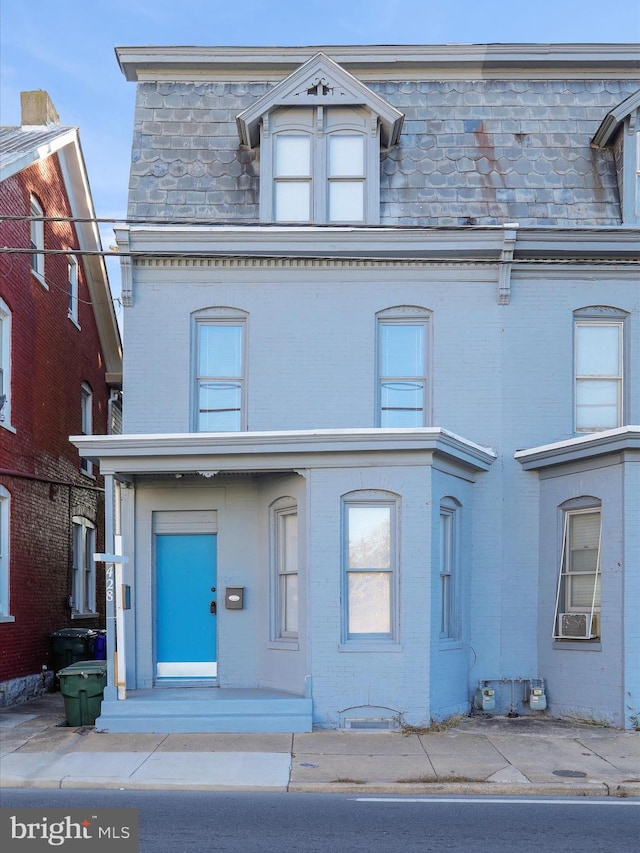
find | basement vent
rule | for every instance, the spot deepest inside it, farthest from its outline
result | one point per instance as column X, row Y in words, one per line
column 370, row 723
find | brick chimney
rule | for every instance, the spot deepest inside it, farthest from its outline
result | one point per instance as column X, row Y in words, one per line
column 37, row 108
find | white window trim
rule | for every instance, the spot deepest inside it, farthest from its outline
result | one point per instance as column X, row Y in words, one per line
column 405, row 315
column 86, row 424
column 224, row 317
column 5, row 555
column 563, row 605
column 599, row 315
column 280, row 509
column 72, row 291
column 5, row 366
column 36, row 240
column 361, row 641
column 84, row 567
column 319, row 129
column 449, row 569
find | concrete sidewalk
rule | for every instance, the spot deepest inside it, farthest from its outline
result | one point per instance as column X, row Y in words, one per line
column 483, row 755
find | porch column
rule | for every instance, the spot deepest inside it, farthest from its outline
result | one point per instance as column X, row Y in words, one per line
column 110, row 691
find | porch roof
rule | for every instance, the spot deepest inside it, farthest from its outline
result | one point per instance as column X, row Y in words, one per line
column 580, row 448
column 208, row 454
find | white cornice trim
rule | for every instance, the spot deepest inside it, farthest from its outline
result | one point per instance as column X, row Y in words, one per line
column 273, row 451
column 378, row 244
column 582, row 447
column 386, row 62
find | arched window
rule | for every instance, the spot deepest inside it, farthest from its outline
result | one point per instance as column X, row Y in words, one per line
column 319, row 176
column 450, row 625
column 403, row 367
column 598, row 368
column 578, row 596
column 285, row 560
column 219, row 358
column 83, row 593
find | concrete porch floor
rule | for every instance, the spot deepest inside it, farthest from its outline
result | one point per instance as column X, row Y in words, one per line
column 168, row 710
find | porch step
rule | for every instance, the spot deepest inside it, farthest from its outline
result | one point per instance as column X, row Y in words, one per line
column 205, row 710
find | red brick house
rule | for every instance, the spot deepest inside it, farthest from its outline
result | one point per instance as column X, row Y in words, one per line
column 60, row 374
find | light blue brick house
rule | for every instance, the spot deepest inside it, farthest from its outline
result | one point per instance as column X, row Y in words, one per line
column 382, row 348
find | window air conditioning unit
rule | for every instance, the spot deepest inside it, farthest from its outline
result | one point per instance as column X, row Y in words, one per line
column 579, row 626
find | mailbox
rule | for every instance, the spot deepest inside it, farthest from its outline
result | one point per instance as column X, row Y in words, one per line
column 234, row 597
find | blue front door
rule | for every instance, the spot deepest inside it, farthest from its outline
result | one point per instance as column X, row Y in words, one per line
column 186, row 604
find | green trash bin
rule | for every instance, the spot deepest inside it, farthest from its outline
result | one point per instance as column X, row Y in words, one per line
column 82, row 686
column 70, row 645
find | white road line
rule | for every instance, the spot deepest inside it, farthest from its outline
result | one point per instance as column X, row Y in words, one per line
column 583, row 801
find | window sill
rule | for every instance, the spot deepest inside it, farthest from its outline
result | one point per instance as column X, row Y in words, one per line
column 376, row 646
column 8, row 427
column 578, row 645
column 39, row 277
column 7, row 619
column 75, row 322
column 284, row 645
column 446, row 644
column 90, row 615
column 88, row 474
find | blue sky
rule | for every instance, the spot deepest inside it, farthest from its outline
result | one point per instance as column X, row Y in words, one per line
column 67, row 48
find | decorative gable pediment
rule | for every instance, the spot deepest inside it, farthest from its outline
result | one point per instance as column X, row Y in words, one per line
column 629, row 108
column 320, row 82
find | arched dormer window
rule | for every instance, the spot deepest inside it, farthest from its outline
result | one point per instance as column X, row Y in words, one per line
column 320, row 132
column 620, row 131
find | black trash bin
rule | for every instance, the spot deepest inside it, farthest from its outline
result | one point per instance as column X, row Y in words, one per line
column 70, row 645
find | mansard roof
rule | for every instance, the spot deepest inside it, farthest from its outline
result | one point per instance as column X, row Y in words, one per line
column 320, row 82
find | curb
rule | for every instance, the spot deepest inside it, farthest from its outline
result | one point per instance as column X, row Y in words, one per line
column 594, row 789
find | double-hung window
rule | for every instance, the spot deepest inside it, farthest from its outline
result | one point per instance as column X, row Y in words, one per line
column 370, row 568
column 220, row 374
column 285, row 559
column 83, row 594
column 321, row 132
column 403, row 392
column 86, row 418
column 319, row 177
column 5, row 364
column 37, row 238
column 5, row 532
column 578, row 597
column 449, row 581
column 598, row 363
column 72, row 288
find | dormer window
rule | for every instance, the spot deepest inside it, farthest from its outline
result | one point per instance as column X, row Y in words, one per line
column 320, row 163
column 320, row 132
column 620, row 131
